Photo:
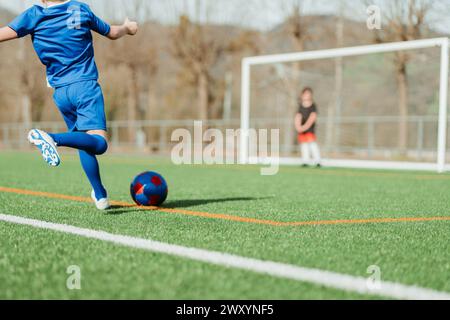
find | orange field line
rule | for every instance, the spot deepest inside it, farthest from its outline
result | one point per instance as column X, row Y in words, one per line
column 224, row 216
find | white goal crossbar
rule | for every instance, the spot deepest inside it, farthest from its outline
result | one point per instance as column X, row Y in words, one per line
column 443, row 43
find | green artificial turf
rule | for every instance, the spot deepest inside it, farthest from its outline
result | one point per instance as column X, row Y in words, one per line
column 33, row 262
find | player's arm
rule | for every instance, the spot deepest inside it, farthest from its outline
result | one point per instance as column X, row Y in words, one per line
column 298, row 122
column 311, row 121
column 127, row 28
column 6, row 34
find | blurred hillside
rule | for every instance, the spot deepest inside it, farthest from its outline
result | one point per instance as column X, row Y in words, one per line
column 145, row 72
column 154, row 75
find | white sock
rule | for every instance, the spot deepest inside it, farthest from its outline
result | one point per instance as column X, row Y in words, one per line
column 306, row 155
column 315, row 153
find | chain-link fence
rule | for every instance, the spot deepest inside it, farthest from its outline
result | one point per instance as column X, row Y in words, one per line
column 350, row 137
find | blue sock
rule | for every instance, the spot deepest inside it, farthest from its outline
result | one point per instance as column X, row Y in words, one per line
column 92, row 170
column 93, row 144
column 88, row 146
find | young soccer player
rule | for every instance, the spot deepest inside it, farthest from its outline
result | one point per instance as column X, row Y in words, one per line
column 305, row 123
column 61, row 35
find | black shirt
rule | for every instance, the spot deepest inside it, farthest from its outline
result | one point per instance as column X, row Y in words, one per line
column 306, row 113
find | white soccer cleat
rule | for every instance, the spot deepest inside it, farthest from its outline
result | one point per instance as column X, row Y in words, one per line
column 46, row 145
column 102, row 204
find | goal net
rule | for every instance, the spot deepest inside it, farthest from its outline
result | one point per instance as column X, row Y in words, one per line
column 373, row 112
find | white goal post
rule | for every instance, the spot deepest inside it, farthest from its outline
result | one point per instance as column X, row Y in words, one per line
column 443, row 43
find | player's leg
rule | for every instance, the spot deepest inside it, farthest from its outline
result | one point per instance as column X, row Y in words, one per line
column 92, row 120
column 89, row 135
column 315, row 151
column 82, row 107
column 93, row 143
column 306, row 155
column 89, row 144
column 91, row 167
column 91, row 138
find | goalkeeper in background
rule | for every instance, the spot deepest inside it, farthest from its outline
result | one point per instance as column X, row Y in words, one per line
column 305, row 124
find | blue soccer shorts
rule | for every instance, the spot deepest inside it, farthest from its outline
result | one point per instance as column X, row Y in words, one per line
column 82, row 106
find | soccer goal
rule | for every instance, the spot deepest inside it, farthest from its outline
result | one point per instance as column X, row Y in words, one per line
column 373, row 111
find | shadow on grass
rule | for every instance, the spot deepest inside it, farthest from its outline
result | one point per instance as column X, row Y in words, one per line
column 181, row 204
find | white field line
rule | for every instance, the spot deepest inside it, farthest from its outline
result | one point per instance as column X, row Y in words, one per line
column 315, row 276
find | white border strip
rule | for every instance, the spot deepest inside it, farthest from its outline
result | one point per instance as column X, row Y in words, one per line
column 315, row 276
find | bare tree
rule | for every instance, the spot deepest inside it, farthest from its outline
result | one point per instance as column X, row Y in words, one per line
column 297, row 31
column 404, row 20
column 335, row 111
column 25, row 80
column 202, row 48
column 197, row 51
column 245, row 43
column 25, row 85
column 140, row 55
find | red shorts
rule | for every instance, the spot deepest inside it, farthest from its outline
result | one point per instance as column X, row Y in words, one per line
column 307, row 137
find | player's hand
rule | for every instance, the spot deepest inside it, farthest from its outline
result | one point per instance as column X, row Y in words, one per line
column 132, row 26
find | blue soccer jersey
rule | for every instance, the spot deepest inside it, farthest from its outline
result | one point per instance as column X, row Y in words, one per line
column 62, row 39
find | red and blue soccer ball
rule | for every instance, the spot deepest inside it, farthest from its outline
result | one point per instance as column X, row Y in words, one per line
column 149, row 189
